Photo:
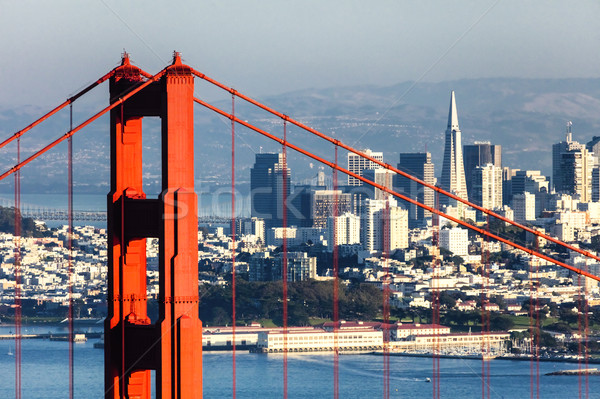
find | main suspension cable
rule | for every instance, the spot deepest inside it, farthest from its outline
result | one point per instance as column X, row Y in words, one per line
column 68, row 101
column 399, row 195
column 393, row 169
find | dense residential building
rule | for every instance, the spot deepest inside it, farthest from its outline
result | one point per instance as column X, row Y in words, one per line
column 358, row 164
column 418, row 165
column 453, row 172
column 264, row 266
column 486, row 188
column 267, row 184
column 572, row 165
column 300, row 266
column 480, row 153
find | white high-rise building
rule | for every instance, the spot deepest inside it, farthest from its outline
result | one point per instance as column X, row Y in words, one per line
column 486, row 184
column 358, row 164
column 347, row 230
column 384, row 226
column 453, row 170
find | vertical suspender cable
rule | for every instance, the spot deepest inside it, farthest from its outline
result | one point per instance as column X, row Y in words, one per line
column 436, row 301
column 485, row 316
column 70, row 244
column 17, row 272
column 233, row 243
column 284, row 263
column 336, row 315
column 579, row 306
column 122, row 264
column 538, row 323
column 586, row 330
column 386, row 295
column 534, row 324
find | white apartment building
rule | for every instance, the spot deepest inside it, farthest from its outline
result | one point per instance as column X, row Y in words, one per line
column 384, row 226
column 455, row 240
column 343, row 230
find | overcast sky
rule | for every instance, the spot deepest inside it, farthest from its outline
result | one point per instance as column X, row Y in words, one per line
column 50, row 49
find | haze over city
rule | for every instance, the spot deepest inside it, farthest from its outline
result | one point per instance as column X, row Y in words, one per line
column 270, row 47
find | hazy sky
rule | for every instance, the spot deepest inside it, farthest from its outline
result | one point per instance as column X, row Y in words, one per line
column 52, row 48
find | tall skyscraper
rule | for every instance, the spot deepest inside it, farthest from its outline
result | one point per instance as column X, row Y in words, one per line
column 453, row 172
column 486, row 189
column 267, row 188
column 381, row 176
column 480, row 153
column 357, row 164
column 384, row 225
column 419, row 165
column 572, row 166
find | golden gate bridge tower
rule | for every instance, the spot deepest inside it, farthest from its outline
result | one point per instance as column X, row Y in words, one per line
column 172, row 346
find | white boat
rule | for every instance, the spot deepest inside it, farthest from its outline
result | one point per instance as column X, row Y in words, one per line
column 10, row 352
column 79, row 338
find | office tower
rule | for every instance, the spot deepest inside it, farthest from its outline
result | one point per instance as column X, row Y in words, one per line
column 380, row 176
column 486, row 189
column 300, row 205
column 572, row 166
column 507, row 176
column 532, row 181
column 358, row 164
column 323, row 204
column 477, row 154
column 523, row 207
column 267, row 185
column 384, row 226
column 420, row 166
column 596, row 184
column 345, row 228
column 593, row 146
column 453, row 172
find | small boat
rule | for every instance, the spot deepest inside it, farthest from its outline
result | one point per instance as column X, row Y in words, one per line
column 79, row 338
column 10, row 352
column 427, row 379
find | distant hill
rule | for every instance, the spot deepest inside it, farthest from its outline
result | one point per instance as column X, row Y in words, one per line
column 525, row 116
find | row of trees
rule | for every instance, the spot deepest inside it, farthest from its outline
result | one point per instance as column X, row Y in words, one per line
column 306, row 300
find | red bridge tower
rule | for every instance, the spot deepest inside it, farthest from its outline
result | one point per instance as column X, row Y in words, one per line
column 173, row 345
